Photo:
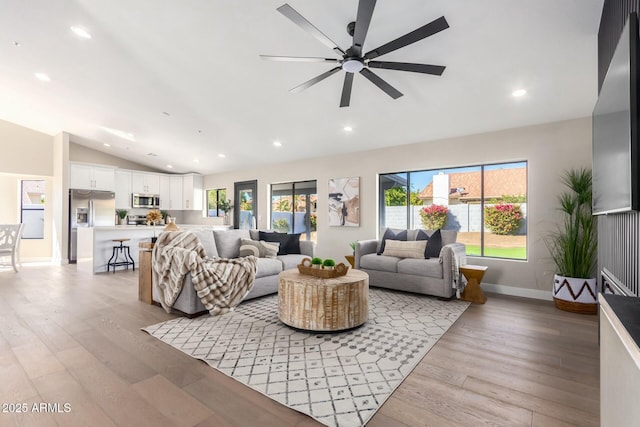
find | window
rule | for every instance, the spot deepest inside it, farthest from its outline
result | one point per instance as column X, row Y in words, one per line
column 32, row 209
column 486, row 204
column 214, row 197
column 293, row 208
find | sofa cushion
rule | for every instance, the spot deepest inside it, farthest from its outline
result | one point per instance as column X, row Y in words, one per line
column 421, row 267
column 268, row 267
column 448, row 236
column 289, row 243
column 208, row 242
column 259, row 249
column 379, row 263
column 390, row 234
column 402, row 249
column 291, row 261
column 228, row 242
column 434, row 243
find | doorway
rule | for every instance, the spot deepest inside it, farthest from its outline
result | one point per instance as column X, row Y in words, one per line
column 245, row 206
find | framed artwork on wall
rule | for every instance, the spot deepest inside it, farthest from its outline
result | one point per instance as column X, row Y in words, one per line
column 344, row 202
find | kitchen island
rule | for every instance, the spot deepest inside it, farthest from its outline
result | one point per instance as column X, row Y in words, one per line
column 95, row 244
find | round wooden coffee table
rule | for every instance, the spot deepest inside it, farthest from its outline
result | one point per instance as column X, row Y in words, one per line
column 316, row 304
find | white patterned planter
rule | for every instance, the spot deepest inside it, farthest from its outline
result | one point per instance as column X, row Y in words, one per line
column 575, row 295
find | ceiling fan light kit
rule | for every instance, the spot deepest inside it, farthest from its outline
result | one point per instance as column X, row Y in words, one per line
column 353, row 61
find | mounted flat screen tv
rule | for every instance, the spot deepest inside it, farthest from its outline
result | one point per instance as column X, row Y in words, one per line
column 615, row 129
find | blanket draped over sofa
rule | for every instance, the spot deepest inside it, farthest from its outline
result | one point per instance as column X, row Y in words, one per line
column 221, row 283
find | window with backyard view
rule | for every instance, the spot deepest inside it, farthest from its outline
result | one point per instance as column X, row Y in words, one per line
column 293, row 208
column 216, row 202
column 485, row 204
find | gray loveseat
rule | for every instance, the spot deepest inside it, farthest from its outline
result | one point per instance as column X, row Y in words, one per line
column 226, row 244
column 433, row 276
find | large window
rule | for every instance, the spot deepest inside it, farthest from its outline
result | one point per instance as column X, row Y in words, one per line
column 214, row 198
column 486, row 204
column 32, row 209
column 293, row 208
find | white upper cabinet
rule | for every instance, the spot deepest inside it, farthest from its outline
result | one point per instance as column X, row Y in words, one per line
column 91, row 177
column 123, row 190
column 145, row 183
column 171, row 192
column 175, row 183
column 192, row 192
column 165, row 192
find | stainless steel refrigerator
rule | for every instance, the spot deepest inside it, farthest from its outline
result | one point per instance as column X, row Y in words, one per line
column 89, row 209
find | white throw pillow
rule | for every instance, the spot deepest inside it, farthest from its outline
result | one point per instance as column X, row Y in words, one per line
column 259, row 249
column 400, row 249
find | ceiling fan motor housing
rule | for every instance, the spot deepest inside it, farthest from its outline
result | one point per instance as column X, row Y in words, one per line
column 352, row 65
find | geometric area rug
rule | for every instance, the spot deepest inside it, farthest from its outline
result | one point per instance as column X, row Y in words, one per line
column 340, row 379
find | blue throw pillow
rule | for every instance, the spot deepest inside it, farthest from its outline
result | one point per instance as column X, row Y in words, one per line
column 391, row 235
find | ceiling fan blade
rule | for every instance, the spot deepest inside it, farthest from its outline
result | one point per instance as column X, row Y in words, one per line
column 315, row 80
column 363, row 19
column 346, row 90
column 425, row 31
column 301, row 21
column 297, row 58
column 376, row 80
column 436, row 70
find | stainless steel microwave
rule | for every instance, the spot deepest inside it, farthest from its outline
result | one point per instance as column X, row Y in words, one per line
column 149, row 201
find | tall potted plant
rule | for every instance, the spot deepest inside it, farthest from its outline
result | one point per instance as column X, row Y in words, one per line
column 574, row 246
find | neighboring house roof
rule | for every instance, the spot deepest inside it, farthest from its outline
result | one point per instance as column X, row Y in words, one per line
column 497, row 182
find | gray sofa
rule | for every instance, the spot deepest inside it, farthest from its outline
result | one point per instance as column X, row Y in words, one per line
column 433, row 276
column 226, row 244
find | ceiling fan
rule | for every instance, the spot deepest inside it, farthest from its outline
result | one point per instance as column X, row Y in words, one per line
column 353, row 61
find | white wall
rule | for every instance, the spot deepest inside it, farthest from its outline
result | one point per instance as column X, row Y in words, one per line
column 549, row 149
column 26, row 154
column 25, row 151
column 80, row 153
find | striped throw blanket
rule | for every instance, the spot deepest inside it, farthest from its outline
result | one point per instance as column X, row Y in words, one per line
column 459, row 257
column 221, row 283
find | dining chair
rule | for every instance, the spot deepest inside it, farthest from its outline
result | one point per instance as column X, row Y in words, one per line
column 10, row 242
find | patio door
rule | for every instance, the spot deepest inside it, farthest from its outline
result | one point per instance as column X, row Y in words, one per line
column 245, row 208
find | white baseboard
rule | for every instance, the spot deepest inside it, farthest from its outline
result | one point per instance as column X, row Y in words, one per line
column 518, row 292
column 36, row 260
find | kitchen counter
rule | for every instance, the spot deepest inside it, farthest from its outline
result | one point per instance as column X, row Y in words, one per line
column 619, row 360
column 95, row 244
column 159, row 228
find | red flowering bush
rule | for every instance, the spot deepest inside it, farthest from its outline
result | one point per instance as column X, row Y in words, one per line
column 434, row 217
column 503, row 218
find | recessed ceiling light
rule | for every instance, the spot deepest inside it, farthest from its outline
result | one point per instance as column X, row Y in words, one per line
column 42, row 77
column 166, row 113
column 152, row 154
column 277, row 144
column 519, row 92
column 170, row 166
column 348, row 128
column 119, row 133
column 16, row 44
column 81, row 32
column 106, row 145
column 196, row 161
column 222, row 156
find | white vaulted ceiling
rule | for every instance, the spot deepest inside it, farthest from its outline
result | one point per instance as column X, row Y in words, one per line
column 198, row 60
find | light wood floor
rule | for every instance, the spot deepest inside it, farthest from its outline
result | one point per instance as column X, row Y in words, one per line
column 69, row 337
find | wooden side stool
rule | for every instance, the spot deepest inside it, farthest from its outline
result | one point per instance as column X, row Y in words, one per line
column 474, row 274
column 117, row 251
